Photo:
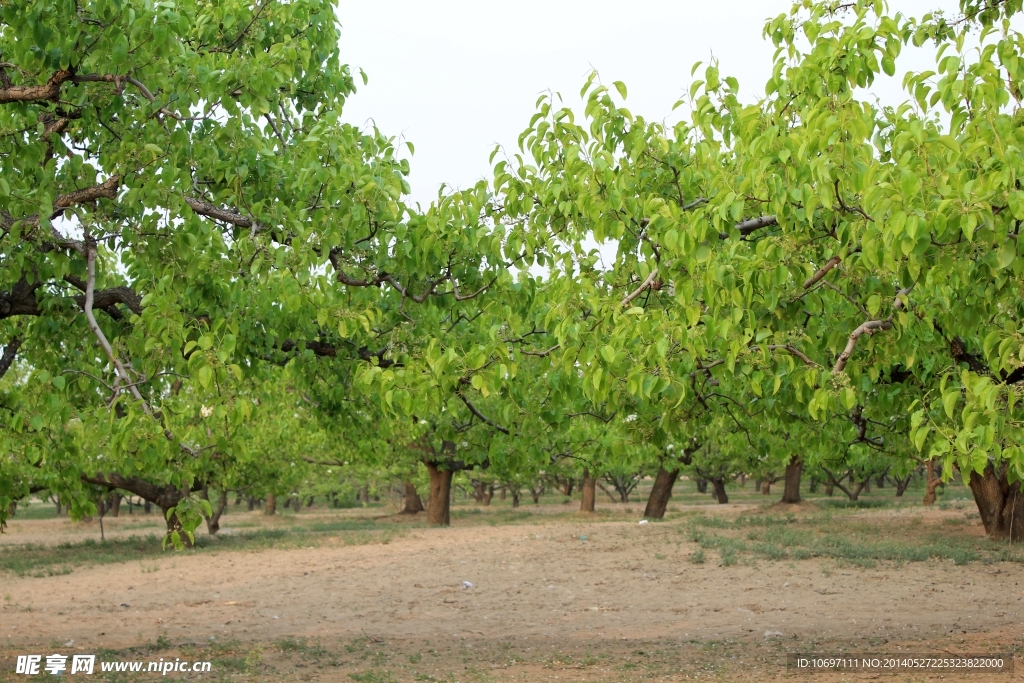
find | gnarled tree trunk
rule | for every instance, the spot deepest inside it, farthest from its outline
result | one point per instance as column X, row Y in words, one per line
column 791, row 493
column 166, row 497
column 413, row 504
column 1000, row 504
column 213, row 521
column 902, row 483
column 661, row 492
column 766, row 487
column 719, row 491
column 439, row 503
column 589, row 489
column 932, row 482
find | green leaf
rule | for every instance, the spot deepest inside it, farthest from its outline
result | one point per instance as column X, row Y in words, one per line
column 621, row 87
column 608, row 353
column 1016, row 202
column 1006, row 254
column 949, row 400
column 119, row 53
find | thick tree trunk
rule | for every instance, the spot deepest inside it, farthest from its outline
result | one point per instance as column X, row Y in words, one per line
column 589, row 489
column 661, row 492
column 147, row 507
column 250, row 503
column 515, row 498
column 1000, row 504
column 720, row 495
column 488, row 494
column 567, row 486
column 702, row 485
column 478, row 491
column 270, row 508
column 115, row 504
column 766, row 488
column 413, row 504
column 439, row 504
column 829, row 489
column 501, row 494
column 791, row 493
column 812, row 485
column 932, row 482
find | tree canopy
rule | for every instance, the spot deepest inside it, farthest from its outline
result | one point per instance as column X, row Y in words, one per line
column 202, row 260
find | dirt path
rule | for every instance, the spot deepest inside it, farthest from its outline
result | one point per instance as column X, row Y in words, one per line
column 537, row 588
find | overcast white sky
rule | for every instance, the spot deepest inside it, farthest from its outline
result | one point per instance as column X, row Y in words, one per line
column 456, row 77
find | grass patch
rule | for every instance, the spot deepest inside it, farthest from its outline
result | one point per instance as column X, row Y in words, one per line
column 837, row 537
column 36, row 560
column 859, row 504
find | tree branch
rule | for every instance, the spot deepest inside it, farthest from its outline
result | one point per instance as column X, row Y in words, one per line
column 10, row 351
column 868, row 328
column 36, row 93
column 640, row 290
column 480, row 416
column 822, row 272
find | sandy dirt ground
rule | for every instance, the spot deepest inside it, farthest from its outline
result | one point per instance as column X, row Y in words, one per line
column 556, row 600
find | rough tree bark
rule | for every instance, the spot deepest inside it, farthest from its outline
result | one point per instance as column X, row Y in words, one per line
column 589, row 489
column 720, row 495
column 270, row 508
column 766, row 488
column 115, row 504
column 791, row 492
column 439, row 503
column 1000, row 504
column 702, row 485
column 661, row 492
column 413, row 504
column 932, row 482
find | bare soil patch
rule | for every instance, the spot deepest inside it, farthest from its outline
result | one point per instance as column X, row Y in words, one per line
column 551, row 598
